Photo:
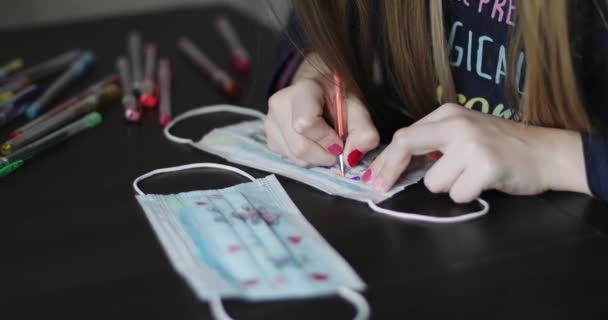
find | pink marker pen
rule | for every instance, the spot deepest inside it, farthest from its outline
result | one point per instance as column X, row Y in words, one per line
column 130, row 104
column 147, row 97
column 218, row 75
column 240, row 57
column 164, row 80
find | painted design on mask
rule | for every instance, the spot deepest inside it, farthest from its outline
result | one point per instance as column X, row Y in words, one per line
column 318, row 276
column 269, row 217
column 201, row 203
column 223, row 139
column 250, row 283
column 282, row 262
column 247, row 214
column 234, row 248
column 294, row 239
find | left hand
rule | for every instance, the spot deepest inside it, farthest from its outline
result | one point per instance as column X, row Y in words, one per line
column 482, row 152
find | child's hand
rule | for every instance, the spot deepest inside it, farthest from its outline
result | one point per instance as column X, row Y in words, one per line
column 296, row 128
column 482, row 152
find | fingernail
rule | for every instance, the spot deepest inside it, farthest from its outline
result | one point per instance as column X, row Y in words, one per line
column 354, row 157
column 367, row 175
column 335, row 149
column 435, row 155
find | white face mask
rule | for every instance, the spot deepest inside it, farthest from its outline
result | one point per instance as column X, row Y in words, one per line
column 248, row 241
column 245, row 144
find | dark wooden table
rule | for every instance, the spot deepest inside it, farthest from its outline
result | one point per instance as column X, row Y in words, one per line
column 74, row 243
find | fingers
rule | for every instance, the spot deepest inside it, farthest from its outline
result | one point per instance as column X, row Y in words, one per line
column 390, row 168
column 310, row 123
column 362, row 134
column 304, row 149
column 444, row 172
column 444, row 111
column 407, row 142
column 468, row 186
column 277, row 144
column 305, row 100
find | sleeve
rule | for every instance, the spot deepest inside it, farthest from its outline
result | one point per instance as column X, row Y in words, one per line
column 595, row 96
column 288, row 55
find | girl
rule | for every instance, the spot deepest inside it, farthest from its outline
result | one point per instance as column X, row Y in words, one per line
column 510, row 92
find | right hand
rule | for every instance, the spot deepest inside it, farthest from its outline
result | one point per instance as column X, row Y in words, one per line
column 295, row 126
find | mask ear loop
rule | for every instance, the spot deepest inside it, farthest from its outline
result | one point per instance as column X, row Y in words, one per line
column 207, row 110
column 357, row 300
column 217, row 309
column 188, row 167
column 426, row 218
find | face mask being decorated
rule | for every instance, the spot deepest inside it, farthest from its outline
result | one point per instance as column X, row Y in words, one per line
column 248, row 241
column 245, row 143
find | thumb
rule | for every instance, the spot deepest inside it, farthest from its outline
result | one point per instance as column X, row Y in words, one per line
column 362, row 134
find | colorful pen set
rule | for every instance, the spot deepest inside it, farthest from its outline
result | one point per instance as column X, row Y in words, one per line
column 108, row 95
column 143, row 81
column 137, row 77
column 59, row 123
column 91, row 90
column 15, row 160
column 78, row 68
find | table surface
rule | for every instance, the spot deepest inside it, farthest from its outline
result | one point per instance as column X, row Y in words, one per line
column 75, row 244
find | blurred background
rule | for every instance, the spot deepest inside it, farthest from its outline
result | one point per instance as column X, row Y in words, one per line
column 18, row 13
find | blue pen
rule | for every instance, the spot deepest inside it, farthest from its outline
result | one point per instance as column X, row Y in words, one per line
column 17, row 105
column 40, row 71
column 77, row 69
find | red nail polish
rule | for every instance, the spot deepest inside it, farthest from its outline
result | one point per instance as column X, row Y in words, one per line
column 354, row 157
column 335, row 149
column 435, row 155
column 367, row 175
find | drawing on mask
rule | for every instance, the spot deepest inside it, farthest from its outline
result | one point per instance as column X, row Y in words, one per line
column 248, row 147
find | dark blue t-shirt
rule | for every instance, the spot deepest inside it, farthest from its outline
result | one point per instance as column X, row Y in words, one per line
column 477, row 32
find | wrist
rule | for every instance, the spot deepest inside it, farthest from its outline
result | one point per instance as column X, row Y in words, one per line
column 562, row 164
column 311, row 68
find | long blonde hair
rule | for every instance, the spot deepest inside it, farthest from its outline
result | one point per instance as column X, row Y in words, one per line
column 415, row 50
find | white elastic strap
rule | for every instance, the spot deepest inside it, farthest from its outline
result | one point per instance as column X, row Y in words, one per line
column 217, row 309
column 207, row 110
column 358, row 301
column 188, row 167
column 427, row 218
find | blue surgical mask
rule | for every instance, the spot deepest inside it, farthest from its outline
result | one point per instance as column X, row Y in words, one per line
column 248, row 241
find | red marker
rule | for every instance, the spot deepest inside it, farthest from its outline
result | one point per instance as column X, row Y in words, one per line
column 218, row 75
column 240, row 57
column 148, row 97
column 164, row 80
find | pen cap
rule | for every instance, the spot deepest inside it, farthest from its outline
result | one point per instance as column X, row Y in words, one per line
column 85, row 62
column 110, row 94
column 93, row 119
